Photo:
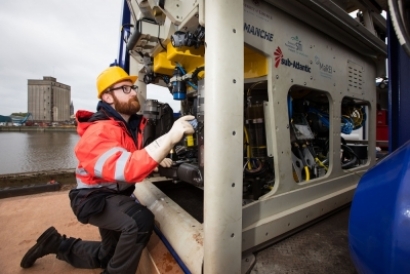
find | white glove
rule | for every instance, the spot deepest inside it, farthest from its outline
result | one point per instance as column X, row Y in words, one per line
column 180, row 128
column 167, row 162
column 160, row 148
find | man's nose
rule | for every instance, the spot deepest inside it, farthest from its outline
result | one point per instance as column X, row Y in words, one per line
column 133, row 92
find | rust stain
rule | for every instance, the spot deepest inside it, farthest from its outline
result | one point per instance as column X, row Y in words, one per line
column 163, row 259
column 167, row 262
column 168, row 257
column 198, row 238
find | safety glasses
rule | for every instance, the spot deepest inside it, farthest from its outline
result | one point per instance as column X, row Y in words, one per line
column 126, row 89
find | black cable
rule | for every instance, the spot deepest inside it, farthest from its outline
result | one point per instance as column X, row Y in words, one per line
column 353, row 161
column 194, row 76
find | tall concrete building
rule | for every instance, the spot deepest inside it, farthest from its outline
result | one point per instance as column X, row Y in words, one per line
column 71, row 109
column 49, row 100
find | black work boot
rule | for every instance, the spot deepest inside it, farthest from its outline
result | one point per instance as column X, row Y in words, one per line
column 47, row 243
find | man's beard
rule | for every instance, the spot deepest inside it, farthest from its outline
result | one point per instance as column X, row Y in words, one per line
column 128, row 108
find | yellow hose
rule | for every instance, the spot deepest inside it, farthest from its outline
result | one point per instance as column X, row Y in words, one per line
column 248, row 149
column 320, row 163
column 307, row 173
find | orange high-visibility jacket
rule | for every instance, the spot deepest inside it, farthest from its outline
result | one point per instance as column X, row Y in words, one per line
column 107, row 154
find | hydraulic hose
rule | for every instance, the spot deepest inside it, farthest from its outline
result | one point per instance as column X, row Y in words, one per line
column 354, row 159
column 307, row 173
column 248, row 149
column 321, row 163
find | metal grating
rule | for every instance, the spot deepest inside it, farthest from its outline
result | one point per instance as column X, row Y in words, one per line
column 355, row 77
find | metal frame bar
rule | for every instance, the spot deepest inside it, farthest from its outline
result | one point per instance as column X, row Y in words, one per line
column 223, row 136
column 399, row 95
column 330, row 19
column 123, row 55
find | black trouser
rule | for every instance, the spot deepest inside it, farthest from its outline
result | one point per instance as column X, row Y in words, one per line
column 125, row 227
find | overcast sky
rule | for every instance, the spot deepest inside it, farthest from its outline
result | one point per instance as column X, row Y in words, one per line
column 72, row 41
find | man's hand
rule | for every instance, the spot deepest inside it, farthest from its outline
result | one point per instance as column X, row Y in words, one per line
column 167, row 162
column 161, row 146
column 164, row 163
column 180, row 128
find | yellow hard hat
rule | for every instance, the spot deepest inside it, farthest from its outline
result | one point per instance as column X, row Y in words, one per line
column 111, row 76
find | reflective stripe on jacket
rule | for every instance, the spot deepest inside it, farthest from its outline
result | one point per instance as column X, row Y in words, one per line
column 108, row 156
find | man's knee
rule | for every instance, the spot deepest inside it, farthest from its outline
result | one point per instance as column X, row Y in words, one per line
column 146, row 220
column 143, row 218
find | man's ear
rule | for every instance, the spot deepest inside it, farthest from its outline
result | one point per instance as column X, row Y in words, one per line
column 107, row 97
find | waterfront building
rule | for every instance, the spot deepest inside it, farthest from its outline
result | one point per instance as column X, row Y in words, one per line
column 49, row 100
column 71, row 108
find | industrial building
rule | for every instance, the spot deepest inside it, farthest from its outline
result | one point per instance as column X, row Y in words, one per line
column 49, row 100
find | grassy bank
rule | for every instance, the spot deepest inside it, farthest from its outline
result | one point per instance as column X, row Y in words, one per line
column 65, row 177
column 36, row 128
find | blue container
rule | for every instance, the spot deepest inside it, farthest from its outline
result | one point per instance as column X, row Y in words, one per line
column 379, row 224
column 177, row 115
column 179, row 96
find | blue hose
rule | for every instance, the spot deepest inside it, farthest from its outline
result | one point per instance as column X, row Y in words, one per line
column 168, row 245
column 347, row 124
column 172, row 251
column 183, row 73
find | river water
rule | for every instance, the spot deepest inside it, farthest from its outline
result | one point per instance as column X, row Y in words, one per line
column 37, row 151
